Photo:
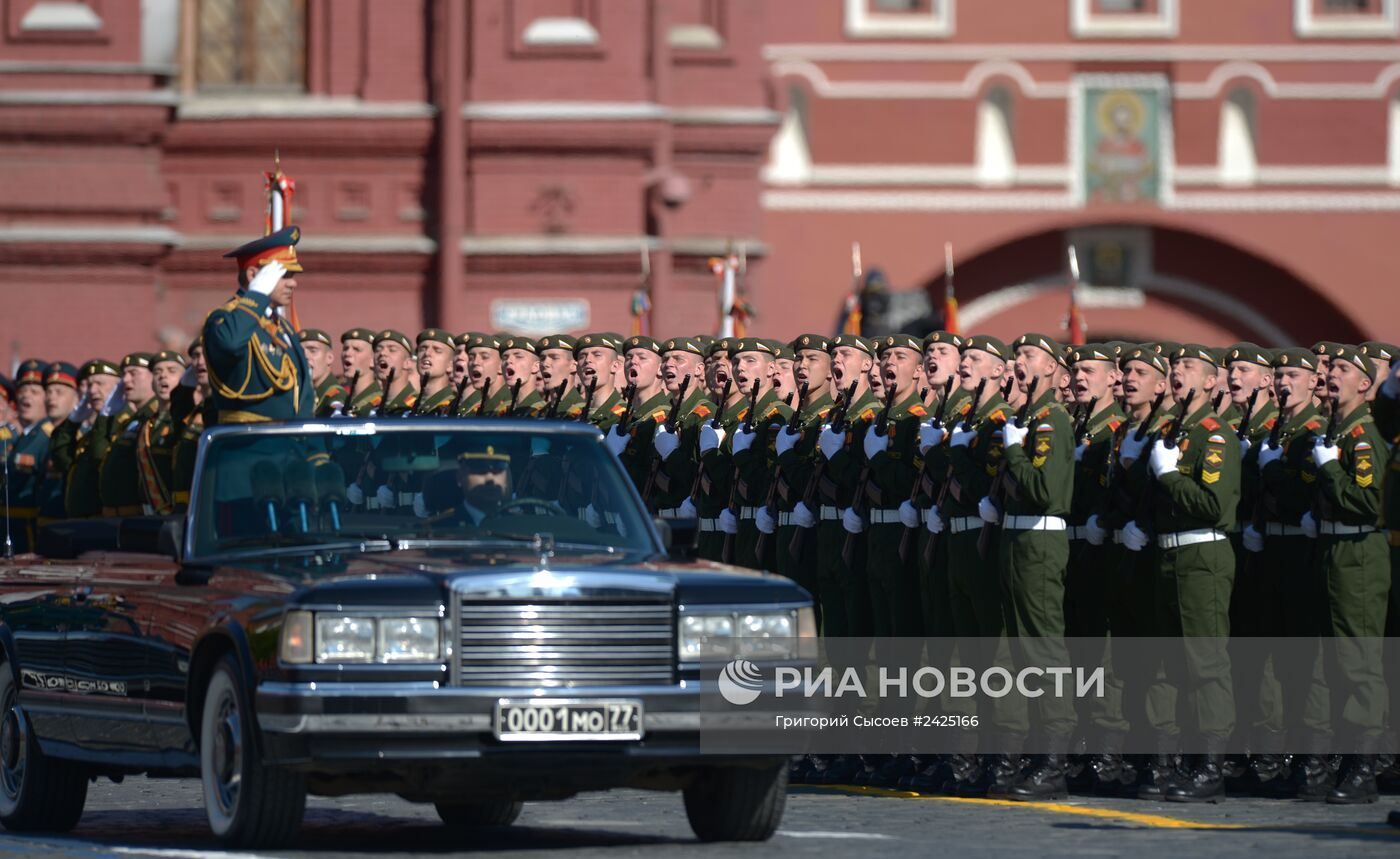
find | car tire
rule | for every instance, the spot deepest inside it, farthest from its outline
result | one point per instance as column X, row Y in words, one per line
column 470, row 815
column 737, row 803
column 247, row 803
column 38, row 793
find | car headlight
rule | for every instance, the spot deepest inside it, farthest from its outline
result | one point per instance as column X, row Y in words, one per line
column 706, row 636
column 408, row 639
column 344, row 639
column 757, row 634
column 359, row 639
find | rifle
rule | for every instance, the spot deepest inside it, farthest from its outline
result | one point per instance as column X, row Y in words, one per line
column 556, row 396
column 714, row 424
column 844, row 399
column 589, row 391
column 457, row 400
column 1179, row 431
column 1216, row 401
column 422, row 394
column 514, row 396
column 672, row 417
column 629, row 394
column 727, row 551
column 349, row 396
column 1334, row 425
column 770, row 503
column 485, row 395
column 907, row 540
column 861, row 500
column 932, row 545
column 1243, row 431
column 388, row 386
column 1265, row 503
column 998, row 490
column 1081, row 429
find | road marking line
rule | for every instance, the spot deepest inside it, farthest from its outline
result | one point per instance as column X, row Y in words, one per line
column 176, row 853
column 819, row 834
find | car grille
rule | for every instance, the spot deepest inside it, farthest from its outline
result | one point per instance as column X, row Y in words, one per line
column 565, row 643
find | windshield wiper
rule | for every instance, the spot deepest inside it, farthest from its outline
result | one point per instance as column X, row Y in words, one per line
column 297, row 544
column 497, row 540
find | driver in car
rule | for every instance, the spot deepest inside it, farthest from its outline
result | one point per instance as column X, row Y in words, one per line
column 484, row 484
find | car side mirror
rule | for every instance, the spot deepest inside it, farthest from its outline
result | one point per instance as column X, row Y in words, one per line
column 171, row 539
column 679, row 536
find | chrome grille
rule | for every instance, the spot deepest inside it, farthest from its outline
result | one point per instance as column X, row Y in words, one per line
column 564, row 644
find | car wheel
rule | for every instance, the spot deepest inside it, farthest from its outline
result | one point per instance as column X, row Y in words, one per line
column 247, row 804
column 37, row 793
column 737, row 803
column 464, row 815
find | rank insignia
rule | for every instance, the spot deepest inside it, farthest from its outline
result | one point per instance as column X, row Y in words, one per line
column 1214, row 458
column 1042, row 446
column 1210, row 477
column 702, row 411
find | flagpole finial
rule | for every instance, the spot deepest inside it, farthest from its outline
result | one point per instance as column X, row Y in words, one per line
column 277, row 158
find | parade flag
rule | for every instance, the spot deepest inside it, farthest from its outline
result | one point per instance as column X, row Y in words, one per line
column 1074, row 322
column 725, row 269
column 850, row 310
column 950, row 301
column 280, row 187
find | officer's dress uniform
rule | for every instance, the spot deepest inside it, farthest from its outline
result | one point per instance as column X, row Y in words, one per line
column 28, row 464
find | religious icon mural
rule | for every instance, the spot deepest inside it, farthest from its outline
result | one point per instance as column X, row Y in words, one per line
column 1123, row 146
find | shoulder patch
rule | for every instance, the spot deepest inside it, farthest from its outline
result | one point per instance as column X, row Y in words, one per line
column 659, row 415
column 1358, row 431
column 1312, row 425
column 823, row 411
column 868, row 414
column 702, row 410
column 618, row 409
column 1269, row 424
column 1362, row 445
column 772, row 411
column 1045, row 428
column 1210, row 423
column 1216, row 439
column 918, row 410
column 999, row 416
column 1114, row 424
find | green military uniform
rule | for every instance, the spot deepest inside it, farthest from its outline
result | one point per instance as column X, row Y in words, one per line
column 366, row 402
column 402, row 403
column 360, row 405
column 331, row 396
column 676, row 475
column 436, row 403
column 115, row 446
column 716, row 480
column 1386, row 413
column 753, row 471
column 155, row 449
column 440, row 401
column 62, row 444
column 81, row 495
column 636, row 458
column 796, row 467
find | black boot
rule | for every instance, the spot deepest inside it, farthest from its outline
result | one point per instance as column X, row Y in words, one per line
column 1269, row 776
column 1358, row 782
column 1203, row 783
column 1104, row 771
column 938, row 777
column 1312, row 778
column 842, row 770
column 888, row 774
column 1001, row 774
column 1155, row 779
column 1045, row 779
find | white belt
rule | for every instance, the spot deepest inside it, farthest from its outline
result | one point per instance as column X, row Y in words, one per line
column 1277, row 529
column 670, row 513
column 785, row 519
column 709, row 525
column 830, row 514
column 748, row 512
column 1033, row 523
column 406, row 499
column 1118, row 537
column 1181, row 539
column 1078, row 532
column 371, row 502
column 959, row 524
column 1337, row 528
column 884, row 517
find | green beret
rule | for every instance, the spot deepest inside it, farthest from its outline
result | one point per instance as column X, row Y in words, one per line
column 1250, row 353
column 943, row 337
column 720, row 344
column 853, row 341
column 1324, row 347
column 480, row 340
column 61, row 373
column 524, row 344
column 436, row 335
column 1148, row 354
column 900, row 341
column 1380, row 351
column 753, row 344
column 196, row 343
column 307, row 334
column 1196, row 350
column 1119, row 347
column 557, row 341
column 705, row 341
column 641, row 341
column 1355, row 357
column 1295, row 356
column 606, row 339
column 99, row 367
column 1163, row 347
column 985, row 343
column 817, row 342
column 1046, row 344
column 783, row 350
column 389, row 335
column 168, row 356
column 137, row 359
column 364, row 334
column 693, row 345
column 1093, row 352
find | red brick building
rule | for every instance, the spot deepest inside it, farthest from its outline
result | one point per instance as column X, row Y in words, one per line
column 1225, row 169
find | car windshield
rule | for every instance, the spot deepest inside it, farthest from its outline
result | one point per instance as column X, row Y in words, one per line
column 479, row 483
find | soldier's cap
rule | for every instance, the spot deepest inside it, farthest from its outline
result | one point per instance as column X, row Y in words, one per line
column 280, row 246
column 705, row 341
column 943, row 337
column 98, row 367
column 985, row 343
column 1049, row 345
column 1250, row 353
column 61, row 373
column 1119, row 347
column 1196, row 350
column 1380, row 351
column 720, row 344
column 901, row 341
column 558, row 341
column 137, row 359
column 7, row 388
column 1163, row 347
column 1093, row 352
column 436, row 335
column 169, row 356
column 309, row 334
column 1295, row 356
column 524, row 344
column 752, row 344
column 482, row 340
column 389, row 335
column 483, row 455
column 196, row 343
column 1145, row 353
column 1354, row 356
column 606, row 339
column 641, row 341
column 853, row 341
column 31, row 372
column 783, row 350
column 365, row 334
column 1324, row 347
column 693, row 345
column 815, row 342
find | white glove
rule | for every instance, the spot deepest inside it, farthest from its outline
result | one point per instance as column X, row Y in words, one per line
column 266, row 280
column 831, row 441
column 1324, row 453
column 875, row 443
column 1095, row 534
column 1012, row 435
column 987, row 509
column 592, row 517
column 1163, row 459
column 1268, row 453
column 386, row 498
column 728, row 522
column 688, row 510
column 1134, row 538
column 852, row 521
column 933, row 521
column 354, row 494
column 803, row 517
column 787, row 440
column 908, row 514
column 115, row 402
column 930, row 436
column 420, row 507
column 711, row 437
column 1245, row 445
column 743, row 439
column 665, row 442
column 962, row 436
column 1309, row 524
column 765, row 521
column 1131, row 448
column 338, row 409
column 189, row 378
column 1253, row 541
column 616, row 440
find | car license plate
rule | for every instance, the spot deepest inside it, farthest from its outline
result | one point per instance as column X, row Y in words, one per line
column 546, row 719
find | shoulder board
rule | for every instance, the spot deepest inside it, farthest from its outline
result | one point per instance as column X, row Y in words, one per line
column 1312, row 425
column 868, row 414
column 965, row 407
column 1042, row 413
column 5, row 433
column 618, row 409
column 410, row 400
column 1114, row 424
column 997, row 415
column 1269, row 424
column 823, row 411
column 1210, row 424
column 47, row 427
column 918, row 410
column 702, row 410
column 659, row 415
column 1358, row 431
column 772, row 411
